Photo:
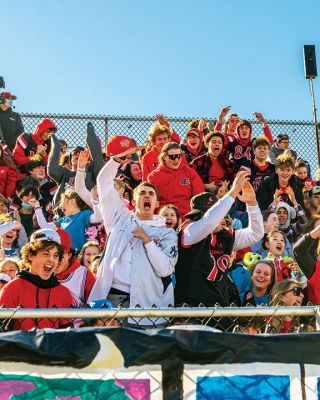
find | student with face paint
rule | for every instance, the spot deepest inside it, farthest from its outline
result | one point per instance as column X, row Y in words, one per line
column 141, row 251
column 10, row 122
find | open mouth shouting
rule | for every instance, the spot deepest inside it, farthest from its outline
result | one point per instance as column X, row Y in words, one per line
column 48, row 269
column 10, row 237
column 147, row 205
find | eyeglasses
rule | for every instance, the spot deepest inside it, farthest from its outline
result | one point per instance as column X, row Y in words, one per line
column 296, row 291
column 175, row 156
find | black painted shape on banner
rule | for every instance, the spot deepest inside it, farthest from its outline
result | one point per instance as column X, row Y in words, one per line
column 77, row 348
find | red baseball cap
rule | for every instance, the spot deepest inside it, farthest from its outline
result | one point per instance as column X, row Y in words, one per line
column 8, row 95
column 121, row 146
column 65, row 239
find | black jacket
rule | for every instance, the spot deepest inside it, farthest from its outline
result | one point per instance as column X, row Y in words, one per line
column 267, row 188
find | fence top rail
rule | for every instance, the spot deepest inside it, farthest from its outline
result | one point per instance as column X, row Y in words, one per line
column 148, row 118
column 184, row 312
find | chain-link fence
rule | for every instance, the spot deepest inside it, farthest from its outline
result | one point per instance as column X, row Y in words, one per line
column 72, row 128
column 253, row 320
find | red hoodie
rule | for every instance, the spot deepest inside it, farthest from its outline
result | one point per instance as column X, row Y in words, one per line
column 176, row 187
column 190, row 152
column 26, row 145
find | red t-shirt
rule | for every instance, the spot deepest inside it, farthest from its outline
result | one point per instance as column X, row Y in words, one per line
column 216, row 172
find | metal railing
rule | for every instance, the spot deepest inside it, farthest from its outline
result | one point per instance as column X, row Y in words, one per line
column 230, row 319
column 72, row 128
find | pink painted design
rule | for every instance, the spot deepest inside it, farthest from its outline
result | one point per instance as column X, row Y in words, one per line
column 14, row 387
column 137, row 389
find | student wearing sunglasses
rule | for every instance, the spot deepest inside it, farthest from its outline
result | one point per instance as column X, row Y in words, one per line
column 176, row 182
column 286, row 293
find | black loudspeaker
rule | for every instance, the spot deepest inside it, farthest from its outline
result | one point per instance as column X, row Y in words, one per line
column 310, row 63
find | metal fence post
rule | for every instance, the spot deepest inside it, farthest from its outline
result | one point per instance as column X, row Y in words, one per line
column 317, row 315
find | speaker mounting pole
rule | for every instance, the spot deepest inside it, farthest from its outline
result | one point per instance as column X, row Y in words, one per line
column 310, row 69
column 315, row 118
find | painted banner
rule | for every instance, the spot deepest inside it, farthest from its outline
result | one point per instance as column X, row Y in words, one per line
column 120, row 363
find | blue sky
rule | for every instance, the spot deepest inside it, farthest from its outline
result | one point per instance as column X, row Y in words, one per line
column 181, row 58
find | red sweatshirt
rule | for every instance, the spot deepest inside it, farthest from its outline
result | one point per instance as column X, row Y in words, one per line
column 266, row 131
column 149, row 163
column 26, row 145
column 176, row 186
column 8, row 179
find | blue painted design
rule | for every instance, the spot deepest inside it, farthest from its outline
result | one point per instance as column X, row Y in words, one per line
column 244, row 387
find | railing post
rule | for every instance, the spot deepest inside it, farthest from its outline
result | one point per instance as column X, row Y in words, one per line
column 317, row 315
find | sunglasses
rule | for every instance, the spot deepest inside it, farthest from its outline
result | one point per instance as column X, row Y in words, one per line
column 296, row 291
column 175, row 156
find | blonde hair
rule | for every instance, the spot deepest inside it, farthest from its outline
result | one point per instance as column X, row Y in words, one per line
column 157, row 130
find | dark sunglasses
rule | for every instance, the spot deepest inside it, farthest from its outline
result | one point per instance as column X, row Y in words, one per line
column 296, row 291
column 175, row 156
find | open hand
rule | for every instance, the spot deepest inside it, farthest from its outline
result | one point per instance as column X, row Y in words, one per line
column 248, row 195
column 84, row 158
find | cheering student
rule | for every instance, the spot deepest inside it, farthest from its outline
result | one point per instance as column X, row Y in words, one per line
column 176, row 183
column 36, row 285
column 141, row 251
column 205, row 247
column 279, row 185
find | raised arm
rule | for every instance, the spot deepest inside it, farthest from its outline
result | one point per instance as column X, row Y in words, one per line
column 199, row 230
column 55, row 171
column 254, row 232
column 80, row 186
column 304, row 252
column 110, row 204
column 265, row 126
column 94, row 147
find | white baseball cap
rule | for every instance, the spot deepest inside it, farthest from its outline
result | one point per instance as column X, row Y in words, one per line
column 45, row 234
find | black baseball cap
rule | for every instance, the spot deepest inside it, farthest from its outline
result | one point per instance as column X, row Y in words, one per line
column 201, row 203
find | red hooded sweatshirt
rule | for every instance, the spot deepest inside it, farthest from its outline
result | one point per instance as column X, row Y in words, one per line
column 176, row 186
column 189, row 152
column 26, row 145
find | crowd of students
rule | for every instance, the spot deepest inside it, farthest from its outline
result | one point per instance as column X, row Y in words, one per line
column 218, row 218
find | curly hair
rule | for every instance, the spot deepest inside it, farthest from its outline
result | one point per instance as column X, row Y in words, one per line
column 31, row 249
column 157, row 130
